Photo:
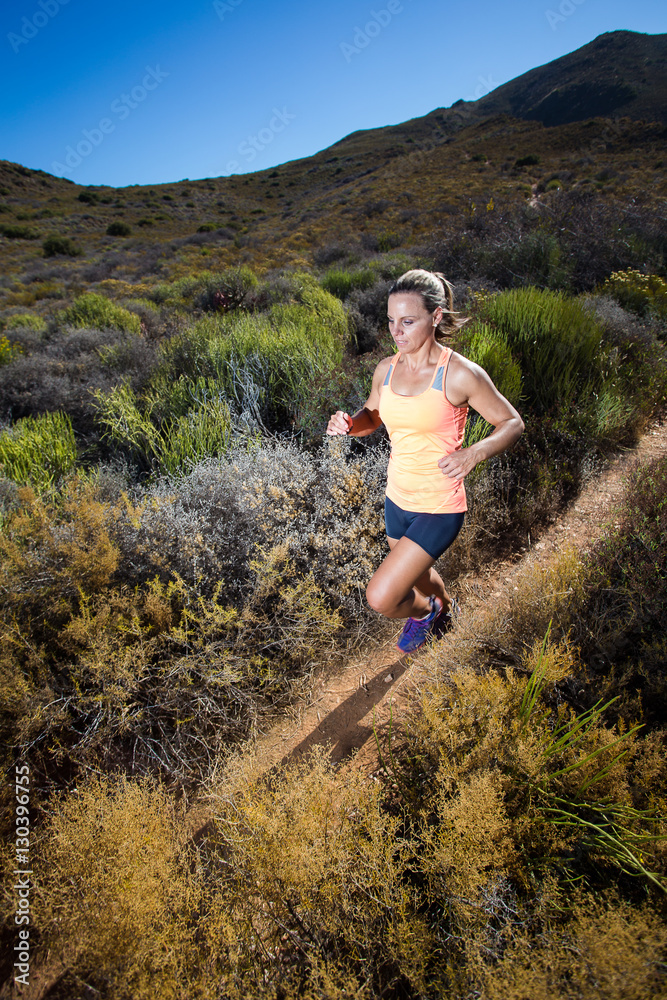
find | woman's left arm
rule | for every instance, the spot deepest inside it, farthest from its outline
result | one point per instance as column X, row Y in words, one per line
column 469, row 384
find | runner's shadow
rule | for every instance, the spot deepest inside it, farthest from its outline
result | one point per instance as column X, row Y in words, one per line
column 341, row 727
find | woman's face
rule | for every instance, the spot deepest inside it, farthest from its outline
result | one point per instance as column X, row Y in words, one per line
column 410, row 323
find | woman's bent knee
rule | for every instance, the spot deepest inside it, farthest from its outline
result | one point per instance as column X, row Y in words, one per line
column 378, row 599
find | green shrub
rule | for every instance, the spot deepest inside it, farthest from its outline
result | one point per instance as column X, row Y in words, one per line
column 341, row 282
column 18, row 233
column 644, row 294
column 98, row 312
column 25, row 321
column 119, row 229
column 266, row 364
column 204, row 289
column 59, row 246
column 531, row 160
column 392, row 265
column 198, row 428
column 8, row 351
column 489, row 349
column 388, row 240
column 227, row 290
column 559, row 347
column 325, row 309
column 38, row 451
column 88, row 197
column 538, row 258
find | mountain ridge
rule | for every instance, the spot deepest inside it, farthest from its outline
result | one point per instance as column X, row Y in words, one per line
column 625, row 99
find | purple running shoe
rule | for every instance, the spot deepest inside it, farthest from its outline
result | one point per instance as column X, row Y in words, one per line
column 417, row 630
column 445, row 621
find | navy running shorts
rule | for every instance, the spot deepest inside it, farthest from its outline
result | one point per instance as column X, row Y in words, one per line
column 433, row 532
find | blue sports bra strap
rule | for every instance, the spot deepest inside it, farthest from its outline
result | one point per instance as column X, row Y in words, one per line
column 389, row 371
column 439, row 380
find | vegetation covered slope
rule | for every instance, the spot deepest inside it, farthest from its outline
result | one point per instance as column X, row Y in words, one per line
column 375, row 189
column 619, row 73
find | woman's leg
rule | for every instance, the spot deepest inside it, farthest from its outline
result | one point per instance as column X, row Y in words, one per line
column 402, row 584
column 431, row 583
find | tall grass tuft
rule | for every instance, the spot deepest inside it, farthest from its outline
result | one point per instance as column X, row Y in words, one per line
column 341, row 282
column 557, row 343
column 266, row 364
column 39, row 451
column 570, row 375
column 199, row 425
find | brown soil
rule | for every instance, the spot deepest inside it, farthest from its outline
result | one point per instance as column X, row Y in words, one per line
column 374, row 691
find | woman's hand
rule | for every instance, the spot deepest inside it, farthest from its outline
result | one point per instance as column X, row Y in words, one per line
column 340, row 423
column 459, row 464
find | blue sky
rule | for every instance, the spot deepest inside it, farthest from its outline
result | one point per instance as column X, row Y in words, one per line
column 149, row 92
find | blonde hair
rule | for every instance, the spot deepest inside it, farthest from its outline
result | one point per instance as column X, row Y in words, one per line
column 436, row 292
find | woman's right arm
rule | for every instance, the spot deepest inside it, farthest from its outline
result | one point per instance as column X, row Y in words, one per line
column 367, row 419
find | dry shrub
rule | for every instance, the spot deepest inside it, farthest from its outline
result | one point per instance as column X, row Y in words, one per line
column 206, row 526
column 159, row 672
column 471, row 847
column 543, row 593
column 603, row 948
column 63, row 371
column 116, row 891
column 314, row 878
column 548, row 785
column 503, row 633
column 51, row 553
column 625, row 620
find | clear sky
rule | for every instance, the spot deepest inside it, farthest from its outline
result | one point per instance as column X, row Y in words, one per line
column 131, row 92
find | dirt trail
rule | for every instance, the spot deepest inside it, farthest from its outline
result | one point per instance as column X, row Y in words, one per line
column 378, row 688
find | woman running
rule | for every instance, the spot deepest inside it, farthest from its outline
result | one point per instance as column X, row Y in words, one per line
column 422, row 395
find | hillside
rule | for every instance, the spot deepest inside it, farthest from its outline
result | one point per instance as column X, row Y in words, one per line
column 374, row 190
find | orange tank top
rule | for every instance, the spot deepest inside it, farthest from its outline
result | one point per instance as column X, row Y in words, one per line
column 422, row 429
